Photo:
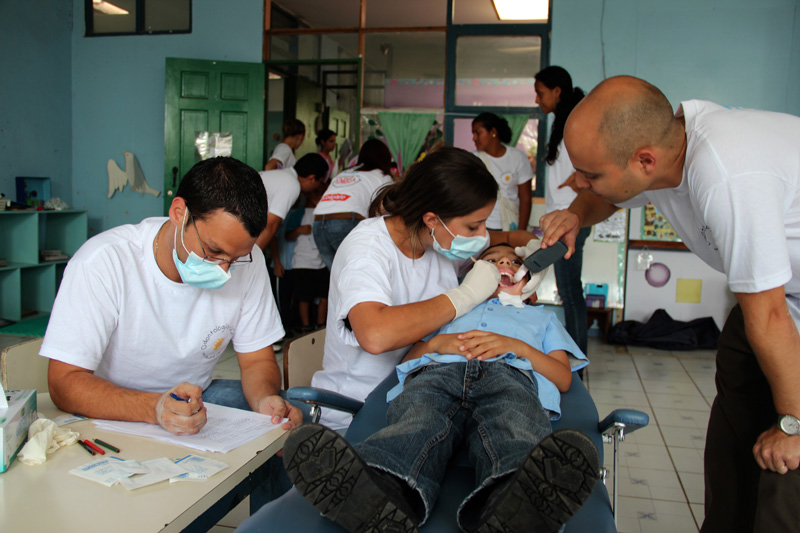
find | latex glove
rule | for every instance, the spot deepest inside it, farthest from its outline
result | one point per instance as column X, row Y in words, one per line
column 478, row 285
column 523, row 252
column 182, row 417
column 45, row 437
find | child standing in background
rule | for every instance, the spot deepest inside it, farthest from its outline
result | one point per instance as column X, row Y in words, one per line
column 311, row 276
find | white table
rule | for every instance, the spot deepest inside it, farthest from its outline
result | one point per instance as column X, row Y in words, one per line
column 47, row 498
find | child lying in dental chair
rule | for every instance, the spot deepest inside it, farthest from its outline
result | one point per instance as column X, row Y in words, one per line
column 491, row 380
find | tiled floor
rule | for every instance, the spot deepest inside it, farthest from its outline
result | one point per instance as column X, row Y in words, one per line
column 661, row 465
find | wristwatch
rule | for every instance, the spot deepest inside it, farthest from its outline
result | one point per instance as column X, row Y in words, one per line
column 789, row 424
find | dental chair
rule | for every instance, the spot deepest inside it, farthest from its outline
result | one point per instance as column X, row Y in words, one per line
column 292, row 512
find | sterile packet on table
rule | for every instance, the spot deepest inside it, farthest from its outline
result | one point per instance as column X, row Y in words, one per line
column 109, row 470
column 63, row 420
column 198, row 468
column 160, row 470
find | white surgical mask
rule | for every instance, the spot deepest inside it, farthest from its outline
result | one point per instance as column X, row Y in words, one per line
column 195, row 271
column 461, row 247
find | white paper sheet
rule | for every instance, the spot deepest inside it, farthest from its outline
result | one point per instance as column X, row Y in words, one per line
column 227, row 428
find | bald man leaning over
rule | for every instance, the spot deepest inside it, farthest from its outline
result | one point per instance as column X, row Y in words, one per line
column 727, row 180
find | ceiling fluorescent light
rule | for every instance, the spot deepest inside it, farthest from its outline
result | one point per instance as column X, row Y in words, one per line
column 107, row 8
column 521, row 9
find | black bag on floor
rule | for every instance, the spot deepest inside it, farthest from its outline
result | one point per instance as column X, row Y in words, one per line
column 665, row 333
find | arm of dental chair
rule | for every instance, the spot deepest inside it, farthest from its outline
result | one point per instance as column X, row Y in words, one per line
column 629, row 419
column 324, row 398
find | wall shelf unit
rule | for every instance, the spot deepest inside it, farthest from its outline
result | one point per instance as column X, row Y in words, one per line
column 28, row 285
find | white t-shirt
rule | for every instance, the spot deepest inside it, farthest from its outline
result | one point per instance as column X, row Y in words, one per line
column 738, row 204
column 369, row 267
column 351, row 192
column 118, row 315
column 510, row 170
column 285, row 155
column 283, row 190
column 557, row 173
column 306, row 254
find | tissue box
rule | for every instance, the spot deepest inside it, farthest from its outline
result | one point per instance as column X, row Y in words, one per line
column 14, row 423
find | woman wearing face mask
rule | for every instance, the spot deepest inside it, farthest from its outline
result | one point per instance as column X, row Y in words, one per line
column 395, row 278
column 555, row 94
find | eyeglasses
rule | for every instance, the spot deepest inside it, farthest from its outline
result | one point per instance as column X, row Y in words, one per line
column 218, row 260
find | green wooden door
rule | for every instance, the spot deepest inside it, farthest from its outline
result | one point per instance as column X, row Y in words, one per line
column 214, row 96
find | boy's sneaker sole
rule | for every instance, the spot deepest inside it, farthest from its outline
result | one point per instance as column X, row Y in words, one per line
column 554, row 481
column 330, row 475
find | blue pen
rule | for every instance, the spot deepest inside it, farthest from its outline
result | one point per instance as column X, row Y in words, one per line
column 176, row 397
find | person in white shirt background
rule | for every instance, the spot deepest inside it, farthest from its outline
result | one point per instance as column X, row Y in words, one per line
column 346, row 201
column 284, row 187
column 555, row 94
column 728, row 180
column 293, row 134
column 511, row 169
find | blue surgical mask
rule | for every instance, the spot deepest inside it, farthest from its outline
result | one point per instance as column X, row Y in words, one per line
column 195, row 271
column 462, row 247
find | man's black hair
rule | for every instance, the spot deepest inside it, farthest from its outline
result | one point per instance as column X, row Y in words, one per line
column 228, row 184
column 312, row 164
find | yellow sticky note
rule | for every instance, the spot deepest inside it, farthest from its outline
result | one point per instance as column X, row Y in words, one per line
column 689, row 291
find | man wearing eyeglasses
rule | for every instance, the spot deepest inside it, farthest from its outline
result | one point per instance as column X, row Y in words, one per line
column 145, row 311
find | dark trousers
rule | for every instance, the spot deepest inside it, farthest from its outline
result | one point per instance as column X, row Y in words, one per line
column 570, row 289
column 740, row 496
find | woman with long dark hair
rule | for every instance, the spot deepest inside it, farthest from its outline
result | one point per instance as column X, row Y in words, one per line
column 555, row 94
column 395, row 277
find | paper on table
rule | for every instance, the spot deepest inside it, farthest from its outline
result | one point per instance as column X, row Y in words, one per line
column 227, row 428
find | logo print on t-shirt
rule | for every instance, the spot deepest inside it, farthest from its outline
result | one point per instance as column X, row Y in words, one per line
column 216, row 340
column 335, row 197
column 507, row 178
column 345, row 180
column 708, row 236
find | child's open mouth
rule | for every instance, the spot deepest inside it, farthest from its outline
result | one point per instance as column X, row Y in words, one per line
column 507, row 278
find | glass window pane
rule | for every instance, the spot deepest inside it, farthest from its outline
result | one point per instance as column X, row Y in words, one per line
column 528, row 141
column 497, row 71
column 320, row 96
column 483, row 12
column 167, row 16
column 406, row 14
column 404, row 70
column 317, row 13
column 117, row 16
column 325, row 46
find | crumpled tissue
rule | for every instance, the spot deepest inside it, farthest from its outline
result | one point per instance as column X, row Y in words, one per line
column 45, row 437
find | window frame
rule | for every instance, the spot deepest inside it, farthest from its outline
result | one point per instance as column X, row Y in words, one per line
column 88, row 11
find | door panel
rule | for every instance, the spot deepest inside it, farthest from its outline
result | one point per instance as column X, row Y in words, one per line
column 216, row 96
